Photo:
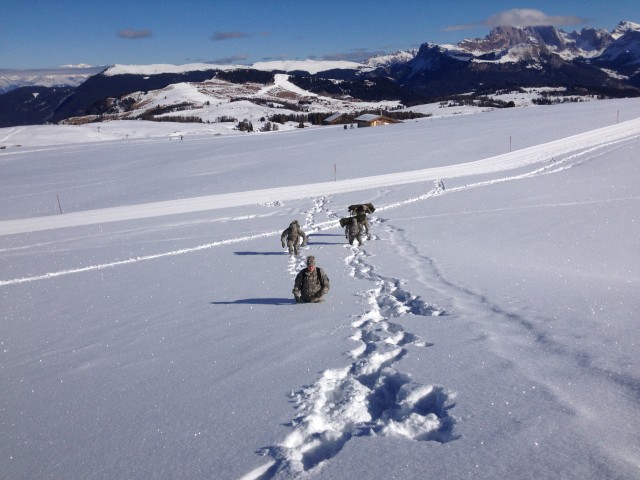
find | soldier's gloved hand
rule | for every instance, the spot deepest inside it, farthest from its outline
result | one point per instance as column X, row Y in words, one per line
column 298, row 299
column 282, row 244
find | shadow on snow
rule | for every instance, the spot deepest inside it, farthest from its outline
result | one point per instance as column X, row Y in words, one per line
column 258, row 301
column 260, row 253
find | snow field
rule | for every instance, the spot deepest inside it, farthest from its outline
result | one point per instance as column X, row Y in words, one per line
column 485, row 330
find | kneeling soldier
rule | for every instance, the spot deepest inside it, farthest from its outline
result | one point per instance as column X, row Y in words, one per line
column 311, row 283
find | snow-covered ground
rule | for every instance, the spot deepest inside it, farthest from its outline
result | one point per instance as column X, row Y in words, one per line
column 488, row 329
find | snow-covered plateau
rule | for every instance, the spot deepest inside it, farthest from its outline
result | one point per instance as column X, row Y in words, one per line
column 487, row 329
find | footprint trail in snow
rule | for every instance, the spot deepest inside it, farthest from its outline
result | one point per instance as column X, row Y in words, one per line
column 369, row 397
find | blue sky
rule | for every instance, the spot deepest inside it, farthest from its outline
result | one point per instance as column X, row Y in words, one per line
column 53, row 33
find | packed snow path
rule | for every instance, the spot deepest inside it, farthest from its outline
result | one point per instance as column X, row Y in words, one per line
column 509, row 161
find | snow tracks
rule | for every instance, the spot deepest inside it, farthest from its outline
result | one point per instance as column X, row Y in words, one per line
column 370, row 396
column 538, row 154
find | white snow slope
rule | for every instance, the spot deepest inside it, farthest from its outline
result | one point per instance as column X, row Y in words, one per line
column 488, row 329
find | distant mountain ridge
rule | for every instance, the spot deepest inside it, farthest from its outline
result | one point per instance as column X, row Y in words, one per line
column 500, row 40
column 60, row 77
column 593, row 59
column 589, row 62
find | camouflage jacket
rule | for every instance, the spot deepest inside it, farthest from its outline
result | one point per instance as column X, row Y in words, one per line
column 362, row 218
column 310, row 284
column 293, row 234
column 352, row 227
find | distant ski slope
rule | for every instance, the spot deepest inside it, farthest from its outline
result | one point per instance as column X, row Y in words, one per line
column 587, row 141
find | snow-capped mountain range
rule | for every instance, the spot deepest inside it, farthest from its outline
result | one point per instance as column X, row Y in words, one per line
column 588, row 62
column 68, row 76
column 516, row 44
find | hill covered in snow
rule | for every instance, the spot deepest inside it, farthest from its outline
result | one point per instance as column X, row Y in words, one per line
column 592, row 62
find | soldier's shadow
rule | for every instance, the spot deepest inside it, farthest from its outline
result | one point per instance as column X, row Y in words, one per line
column 261, row 253
column 313, row 238
column 258, row 301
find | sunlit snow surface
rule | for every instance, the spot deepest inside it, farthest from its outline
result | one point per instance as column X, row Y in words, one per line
column 487, row 329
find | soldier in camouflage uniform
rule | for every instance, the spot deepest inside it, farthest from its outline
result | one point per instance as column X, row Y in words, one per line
column 360, row 211
column 311, row 284
column 352, row 230
column 292, row 236
column 364, row 224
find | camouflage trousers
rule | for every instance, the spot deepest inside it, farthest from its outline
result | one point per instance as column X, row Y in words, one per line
column 294, row 247
column 354, row 236
column 304, row 299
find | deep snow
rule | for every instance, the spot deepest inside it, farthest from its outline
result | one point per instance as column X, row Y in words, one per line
column 487, row 330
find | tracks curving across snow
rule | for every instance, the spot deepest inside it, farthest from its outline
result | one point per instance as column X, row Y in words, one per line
column 312, row 222
column 570, row 146
column 370, row 396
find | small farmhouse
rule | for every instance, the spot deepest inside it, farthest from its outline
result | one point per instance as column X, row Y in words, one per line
column 338, row 119
column 373, row 120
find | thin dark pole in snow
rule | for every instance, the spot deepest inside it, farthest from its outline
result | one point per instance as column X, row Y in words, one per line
column 335, row 173
column 59, row 207
column 509, row 142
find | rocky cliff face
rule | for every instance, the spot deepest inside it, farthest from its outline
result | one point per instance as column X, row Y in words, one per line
column 587, row 43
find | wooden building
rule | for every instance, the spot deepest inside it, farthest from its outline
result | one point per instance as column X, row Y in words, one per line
column 338, row 119
column 373, row 120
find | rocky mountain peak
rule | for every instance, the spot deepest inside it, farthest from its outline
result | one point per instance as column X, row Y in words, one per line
column 591, row 39
column 500, row 38
column 623, row 27
column 586, row 43
column 402, row 56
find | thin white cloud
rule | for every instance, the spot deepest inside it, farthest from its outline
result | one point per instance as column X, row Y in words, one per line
column 222, row 36
column 80, row 65
column 131, row 34
column 521, row 17
column 233, row 59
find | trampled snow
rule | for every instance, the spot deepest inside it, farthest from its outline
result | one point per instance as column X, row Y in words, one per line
column 488, row 329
